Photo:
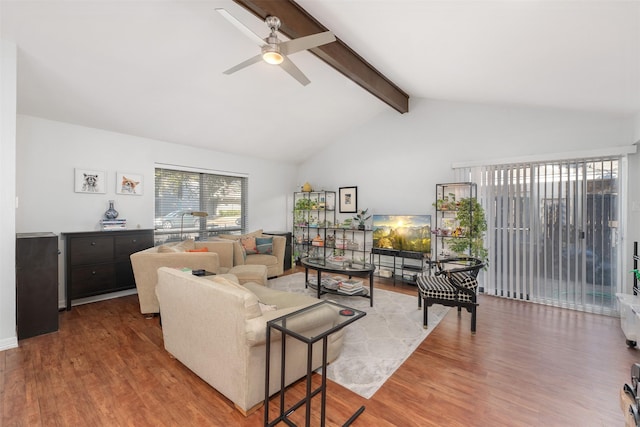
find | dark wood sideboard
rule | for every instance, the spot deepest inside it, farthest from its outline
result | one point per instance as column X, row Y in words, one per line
column 97, row 262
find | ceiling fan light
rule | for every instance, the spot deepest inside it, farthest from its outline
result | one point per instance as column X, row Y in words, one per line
column 272, row 57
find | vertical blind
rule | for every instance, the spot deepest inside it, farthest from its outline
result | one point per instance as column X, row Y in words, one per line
column 552, row 231
column 222, row 197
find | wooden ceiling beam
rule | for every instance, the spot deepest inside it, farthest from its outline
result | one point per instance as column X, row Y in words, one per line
column 296, row 22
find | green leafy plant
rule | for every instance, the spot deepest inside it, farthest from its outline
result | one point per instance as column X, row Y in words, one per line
column 471, row 219
column 304, row 204
column 361, row 217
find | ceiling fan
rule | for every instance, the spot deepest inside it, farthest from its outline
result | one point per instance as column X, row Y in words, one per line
column 275, row 51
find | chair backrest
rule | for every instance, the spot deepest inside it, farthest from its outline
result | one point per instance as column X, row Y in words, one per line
column 463, row 264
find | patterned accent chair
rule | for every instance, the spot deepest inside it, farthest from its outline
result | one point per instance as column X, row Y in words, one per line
column 454, row 284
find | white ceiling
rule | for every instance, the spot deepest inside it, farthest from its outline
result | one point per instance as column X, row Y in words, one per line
column 154, row 68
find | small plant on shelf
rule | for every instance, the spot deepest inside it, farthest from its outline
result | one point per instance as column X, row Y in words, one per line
column 447, row 203
column 362, row 217
column 304, row 204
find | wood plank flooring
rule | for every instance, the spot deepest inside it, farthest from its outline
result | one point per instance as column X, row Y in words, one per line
column 528, row 365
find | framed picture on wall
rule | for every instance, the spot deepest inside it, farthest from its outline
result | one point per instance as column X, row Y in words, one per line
column 90, row 181
column 129, row 183
column 348, row 197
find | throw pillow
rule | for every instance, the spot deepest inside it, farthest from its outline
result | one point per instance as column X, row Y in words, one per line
column 244, row 253
column 203, row 249
column 264, row 245
column 249, row 244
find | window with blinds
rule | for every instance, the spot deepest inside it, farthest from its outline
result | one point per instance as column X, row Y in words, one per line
column 180, row 194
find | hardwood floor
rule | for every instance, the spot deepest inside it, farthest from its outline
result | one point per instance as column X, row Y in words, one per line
column 528, row 365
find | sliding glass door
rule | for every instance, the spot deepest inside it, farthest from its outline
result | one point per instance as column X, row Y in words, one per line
column 553, row 231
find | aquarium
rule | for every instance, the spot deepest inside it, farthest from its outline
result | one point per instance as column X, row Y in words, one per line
column 410, row 233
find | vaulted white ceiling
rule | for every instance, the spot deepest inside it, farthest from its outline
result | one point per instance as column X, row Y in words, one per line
column 154, row 68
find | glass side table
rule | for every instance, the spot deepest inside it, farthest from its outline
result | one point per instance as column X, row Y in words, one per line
column 290, row 325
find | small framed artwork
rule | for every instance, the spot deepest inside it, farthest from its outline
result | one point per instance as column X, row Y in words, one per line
column 129, row 183
column 348, row 199
column 90, row 181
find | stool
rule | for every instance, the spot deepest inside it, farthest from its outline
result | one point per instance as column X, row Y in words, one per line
column 250, row 273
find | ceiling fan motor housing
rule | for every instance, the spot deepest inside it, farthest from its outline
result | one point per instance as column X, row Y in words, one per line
column 271, row 52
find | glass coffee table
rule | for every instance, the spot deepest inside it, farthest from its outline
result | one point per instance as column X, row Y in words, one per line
column 349, row 268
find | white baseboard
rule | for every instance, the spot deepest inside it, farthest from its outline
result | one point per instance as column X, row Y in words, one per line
column 8, row 343
column 103, row 297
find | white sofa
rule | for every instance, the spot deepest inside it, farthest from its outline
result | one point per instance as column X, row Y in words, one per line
column 145, row 264
column 216, row 328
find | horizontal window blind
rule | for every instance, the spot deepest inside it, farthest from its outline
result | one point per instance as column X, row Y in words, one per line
column 178, row 192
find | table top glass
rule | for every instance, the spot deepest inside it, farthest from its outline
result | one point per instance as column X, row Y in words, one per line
column 337, row 264
column 297, row 322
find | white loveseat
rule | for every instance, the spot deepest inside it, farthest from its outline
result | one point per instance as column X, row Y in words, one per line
column 216, row 327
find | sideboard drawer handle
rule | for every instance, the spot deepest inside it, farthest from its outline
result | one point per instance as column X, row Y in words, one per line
column 93, row 243
column 134, row 241
column 93, row 272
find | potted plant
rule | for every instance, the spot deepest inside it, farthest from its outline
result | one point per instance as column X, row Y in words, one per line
column 472, row 222
column 361, row 217
column 304, row 204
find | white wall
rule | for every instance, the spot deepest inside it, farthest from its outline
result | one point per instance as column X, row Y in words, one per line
column 396, row 160
column 8, row 63
column 48, row 152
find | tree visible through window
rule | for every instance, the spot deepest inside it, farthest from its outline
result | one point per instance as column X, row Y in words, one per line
column 179, row 193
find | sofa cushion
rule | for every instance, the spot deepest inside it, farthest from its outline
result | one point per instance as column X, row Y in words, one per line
column 264, row 245
column 165, row 249
column 280, row 299
column 262, row 259
column 240, row 236
column 267, row 307
column 183, row 246
column 249, row 244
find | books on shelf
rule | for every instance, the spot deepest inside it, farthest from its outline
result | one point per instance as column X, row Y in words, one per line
column 338, row 284
column 350, row 287
column 113, row 224
column 331, row 283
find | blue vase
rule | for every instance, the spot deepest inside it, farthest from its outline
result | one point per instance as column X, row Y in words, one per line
column 111, row 213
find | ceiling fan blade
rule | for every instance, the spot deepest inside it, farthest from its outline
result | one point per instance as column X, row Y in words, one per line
column 294, row 71
column 244, row 64
column 306, row 42
column 239, row 25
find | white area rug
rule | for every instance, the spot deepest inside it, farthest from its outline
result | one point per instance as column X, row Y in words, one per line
column 376, row 345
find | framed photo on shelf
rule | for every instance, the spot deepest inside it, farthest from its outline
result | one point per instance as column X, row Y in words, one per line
column 90, row 181
column 348, row 197
column 129, row 183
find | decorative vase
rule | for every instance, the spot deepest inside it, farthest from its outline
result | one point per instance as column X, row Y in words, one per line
column 307, row 187
column 111, row 213
column 360, row 226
